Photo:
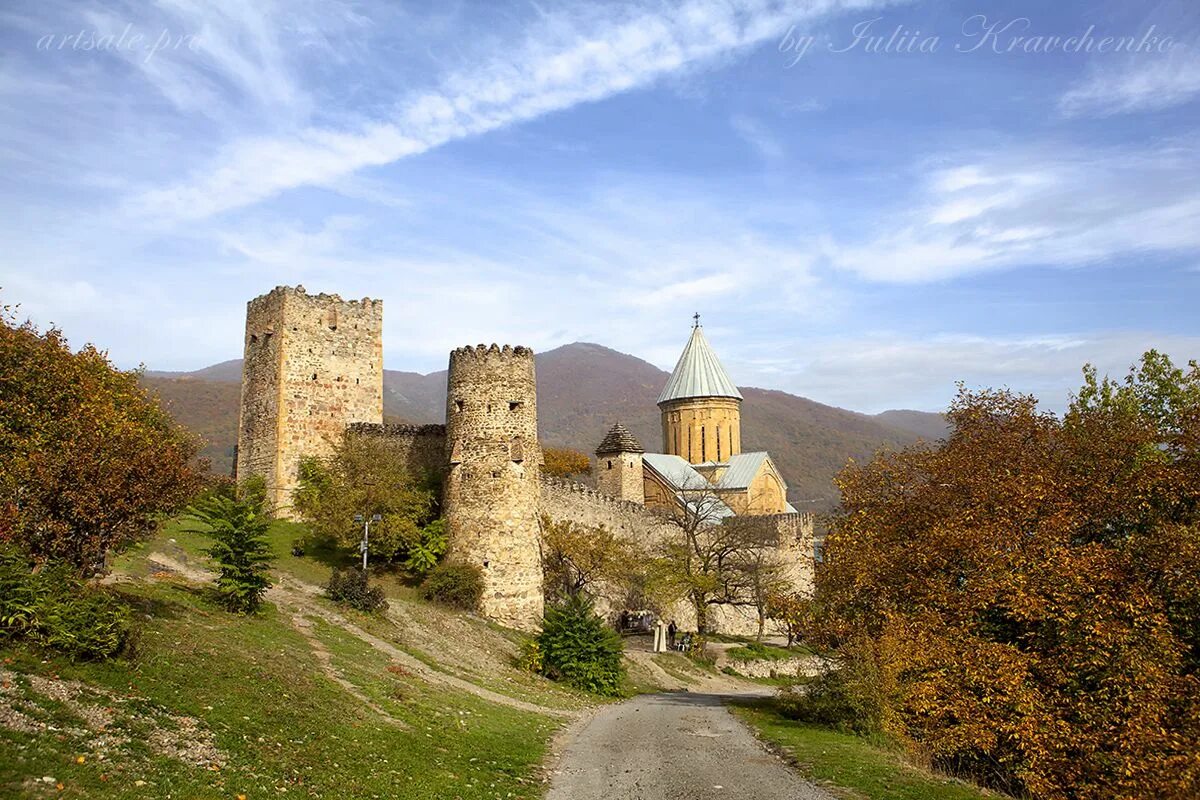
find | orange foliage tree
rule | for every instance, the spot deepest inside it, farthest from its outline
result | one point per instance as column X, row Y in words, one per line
column 561, row 462
column 87, row 458
column 1027, row 595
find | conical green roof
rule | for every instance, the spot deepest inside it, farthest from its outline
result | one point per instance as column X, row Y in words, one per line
column 699, row 373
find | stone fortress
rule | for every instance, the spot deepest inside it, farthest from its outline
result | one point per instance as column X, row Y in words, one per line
column 313, row 369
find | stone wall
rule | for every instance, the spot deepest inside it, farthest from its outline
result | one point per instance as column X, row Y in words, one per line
column 491, row 490
column 313, row 365
column 421, row 448
column 699, row 429
column 620, row 475
column 574, row 502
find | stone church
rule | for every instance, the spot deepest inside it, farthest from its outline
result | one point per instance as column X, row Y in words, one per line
column 313, row 370
column 702, row 446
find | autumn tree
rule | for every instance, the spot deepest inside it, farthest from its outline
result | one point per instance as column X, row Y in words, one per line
column 792, row 613
column 766, row 574
column 706, row 555
column 1027, row 594
column 88, row 460
column 563, row 462
column 586, row 559
column 365, row 475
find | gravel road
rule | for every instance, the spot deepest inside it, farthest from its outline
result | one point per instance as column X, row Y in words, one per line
column 677, row 746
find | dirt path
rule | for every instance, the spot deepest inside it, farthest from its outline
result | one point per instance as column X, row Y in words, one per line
column 299, row 599
column 671, row 746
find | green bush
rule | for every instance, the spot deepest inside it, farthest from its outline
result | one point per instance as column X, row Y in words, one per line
column 430, row 545
column 55, row 608
column 844, row 699
column 91, row 624
column 350, row 586
column 454, row 585
column 579, row 648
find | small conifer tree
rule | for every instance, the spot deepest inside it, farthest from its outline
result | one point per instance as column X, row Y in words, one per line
column 237, row 527
column 577, row 647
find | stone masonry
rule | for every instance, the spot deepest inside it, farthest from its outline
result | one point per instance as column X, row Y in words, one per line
column 492, row 487
column 313, row 364
column 314, row 369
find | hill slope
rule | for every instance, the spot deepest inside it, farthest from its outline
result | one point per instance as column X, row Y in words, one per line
column 582, row 389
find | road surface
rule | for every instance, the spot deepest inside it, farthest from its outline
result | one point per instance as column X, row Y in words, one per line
column 677, row 746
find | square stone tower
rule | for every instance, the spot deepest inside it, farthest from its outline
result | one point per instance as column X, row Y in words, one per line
column 619, row 466
column 313, row 364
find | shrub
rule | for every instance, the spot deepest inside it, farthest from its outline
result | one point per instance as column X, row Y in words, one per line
column 837, row 698
column 88, row 625
column 530, row 657
column 350, row 586
column 237, row 528
column 579, row 648
column 53, row 607
column 454, row 585
column 430, row 545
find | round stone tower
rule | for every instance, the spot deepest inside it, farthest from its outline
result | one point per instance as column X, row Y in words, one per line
column 492, row 491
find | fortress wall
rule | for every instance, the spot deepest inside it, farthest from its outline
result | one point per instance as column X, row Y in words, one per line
column 564, row 500
column 421, row 448
column 575, row 502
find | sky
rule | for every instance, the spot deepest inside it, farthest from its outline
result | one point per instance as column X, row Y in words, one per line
column 866, row 201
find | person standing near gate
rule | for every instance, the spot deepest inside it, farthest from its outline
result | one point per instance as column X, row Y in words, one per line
column 671, row 629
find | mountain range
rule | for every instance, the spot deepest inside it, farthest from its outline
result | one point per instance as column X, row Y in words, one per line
column 582, row 390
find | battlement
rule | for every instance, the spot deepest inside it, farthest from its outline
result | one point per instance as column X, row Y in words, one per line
column 803, row 517
column 492, row 351
column 393, row 430
column 591, row 495
column 300, row 292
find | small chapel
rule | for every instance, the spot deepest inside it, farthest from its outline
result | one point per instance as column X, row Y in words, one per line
column 701, row 446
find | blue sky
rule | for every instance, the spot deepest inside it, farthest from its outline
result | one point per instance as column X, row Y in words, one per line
column 858, row 221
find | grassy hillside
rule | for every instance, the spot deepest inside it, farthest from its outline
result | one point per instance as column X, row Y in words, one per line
column 308, row 699
column 301, row 699
column 582, row 390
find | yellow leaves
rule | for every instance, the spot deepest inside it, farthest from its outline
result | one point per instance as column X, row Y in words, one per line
column 1029, row 588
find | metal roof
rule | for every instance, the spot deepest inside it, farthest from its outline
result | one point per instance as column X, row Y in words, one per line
column 675, row 470
column 699, row 373
column 684, row 479
column 742, row 469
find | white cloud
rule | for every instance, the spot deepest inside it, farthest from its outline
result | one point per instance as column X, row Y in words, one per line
column 765, row 143
column 875, row 372
column 1033, row 208
column 1149, row 83
column 565, row 60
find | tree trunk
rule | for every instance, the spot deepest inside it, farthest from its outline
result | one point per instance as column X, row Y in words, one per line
column 701, row 614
